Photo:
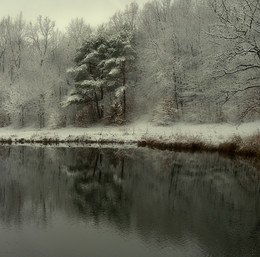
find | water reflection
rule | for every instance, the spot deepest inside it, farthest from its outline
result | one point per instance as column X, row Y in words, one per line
column 170, row 203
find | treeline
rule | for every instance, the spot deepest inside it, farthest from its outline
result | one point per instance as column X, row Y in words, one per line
column 183, row 60
column 34, row 58
column 202, row 59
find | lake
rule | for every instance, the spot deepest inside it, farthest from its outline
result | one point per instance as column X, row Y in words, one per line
column 107, row 202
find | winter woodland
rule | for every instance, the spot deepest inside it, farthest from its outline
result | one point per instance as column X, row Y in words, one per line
column 182, row 60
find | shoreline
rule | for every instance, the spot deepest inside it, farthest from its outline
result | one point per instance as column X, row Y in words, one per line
column 230, row 149
column 225, row 139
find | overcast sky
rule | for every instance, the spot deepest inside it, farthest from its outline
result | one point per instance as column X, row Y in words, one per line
column 94, row 12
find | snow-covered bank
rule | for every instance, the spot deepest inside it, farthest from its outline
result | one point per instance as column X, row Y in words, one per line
column 207, row 133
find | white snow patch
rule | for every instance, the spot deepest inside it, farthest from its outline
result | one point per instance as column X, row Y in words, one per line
column 208, row 133
column 114, row 72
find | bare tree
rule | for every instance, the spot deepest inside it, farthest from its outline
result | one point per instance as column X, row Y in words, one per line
column 78, row 31
column 239, row 32
column 42, row 36
column 126, row 18
column 15, row 33
column 3, row 43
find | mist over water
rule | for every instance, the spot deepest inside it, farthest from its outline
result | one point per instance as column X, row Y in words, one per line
column 135, row 202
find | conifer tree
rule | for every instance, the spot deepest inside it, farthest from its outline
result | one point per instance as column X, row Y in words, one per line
column 103, row 65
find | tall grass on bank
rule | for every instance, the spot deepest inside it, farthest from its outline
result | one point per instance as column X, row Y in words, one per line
column 247, row 146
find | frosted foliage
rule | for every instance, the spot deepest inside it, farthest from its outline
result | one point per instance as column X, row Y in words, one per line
column 110, row 61
column 119, row 92
column 121, row 59
column 165, row 112
column 108, row 65
column 57, row 119
column 91, row 56
column 90, row 83
column 71, row 99
column 200, row 54
column 172, row 61
column 114, row 72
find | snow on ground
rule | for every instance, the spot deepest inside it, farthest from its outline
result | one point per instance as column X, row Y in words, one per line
column 208, row 133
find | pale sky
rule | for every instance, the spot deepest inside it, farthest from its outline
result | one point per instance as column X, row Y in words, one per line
column 94, row 12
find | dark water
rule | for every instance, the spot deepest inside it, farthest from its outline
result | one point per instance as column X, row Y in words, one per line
column 73, row 202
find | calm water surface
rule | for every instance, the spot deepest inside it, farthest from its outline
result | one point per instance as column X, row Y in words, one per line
column 73, row 202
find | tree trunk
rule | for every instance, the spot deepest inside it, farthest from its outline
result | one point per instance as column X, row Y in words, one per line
column 175, row 90
column 102, row 106
column 124, row 94
column 124, row 104
column 22, row 116
column 97, row 106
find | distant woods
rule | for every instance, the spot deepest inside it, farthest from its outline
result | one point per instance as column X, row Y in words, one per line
column 183, row 60
column 34, row 58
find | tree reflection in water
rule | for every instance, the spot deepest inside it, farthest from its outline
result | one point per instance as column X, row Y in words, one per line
column 165, row 198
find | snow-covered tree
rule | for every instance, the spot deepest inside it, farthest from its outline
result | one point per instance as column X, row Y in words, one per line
column 76, row 33
column 14, row 31
column 238, row 34
column 87, row 73
column 42, row 37
column 102, row 66
column 120, row 70
column 169, row 50
column 3, row 45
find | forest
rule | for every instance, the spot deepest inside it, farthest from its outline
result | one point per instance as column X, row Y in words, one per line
column 182, row 60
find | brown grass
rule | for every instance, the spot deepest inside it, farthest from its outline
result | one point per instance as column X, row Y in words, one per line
column 174, row 146
column 247, row 147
